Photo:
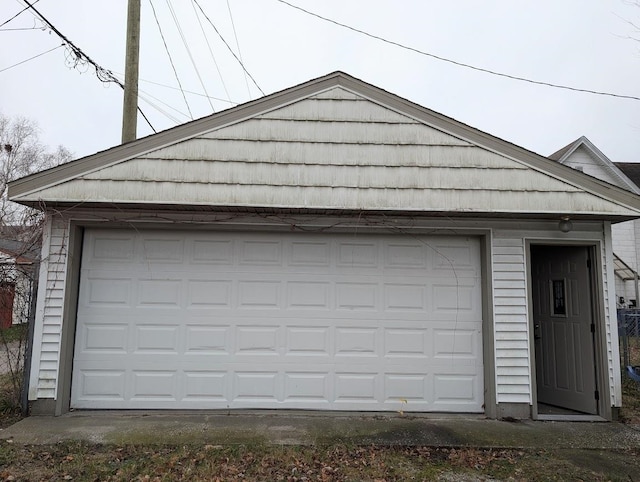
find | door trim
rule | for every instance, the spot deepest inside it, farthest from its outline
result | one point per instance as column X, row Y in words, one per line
column 600, row 335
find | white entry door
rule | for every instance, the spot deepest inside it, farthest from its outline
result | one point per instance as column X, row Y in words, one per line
column 217, row 320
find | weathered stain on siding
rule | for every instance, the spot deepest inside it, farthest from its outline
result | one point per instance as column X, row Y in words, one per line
column 331, row 154
column 332, row 151
column 327, row 197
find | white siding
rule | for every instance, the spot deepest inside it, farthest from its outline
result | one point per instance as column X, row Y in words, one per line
column 624, row 242
column 49, row 310
column 507, row 267
column 511, row 327
column 511, row 309
column 625, row 235
column 611, row 319
column 581, row 159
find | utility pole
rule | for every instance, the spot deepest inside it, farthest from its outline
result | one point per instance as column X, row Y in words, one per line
column 130, row 104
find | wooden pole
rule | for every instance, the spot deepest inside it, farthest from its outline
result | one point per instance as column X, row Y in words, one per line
column 130, row 104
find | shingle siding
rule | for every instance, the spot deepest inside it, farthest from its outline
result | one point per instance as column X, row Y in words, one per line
column 332, row 150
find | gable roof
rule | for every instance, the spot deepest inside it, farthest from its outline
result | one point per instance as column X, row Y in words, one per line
column 333, row 143
column 631, row 170
column 613, row 169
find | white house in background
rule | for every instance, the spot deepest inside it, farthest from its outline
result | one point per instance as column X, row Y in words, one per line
column 328, row 247
column 584, row 156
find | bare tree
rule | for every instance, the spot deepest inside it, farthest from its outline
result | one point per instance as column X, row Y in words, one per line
column 635, row 25
column 21, row 153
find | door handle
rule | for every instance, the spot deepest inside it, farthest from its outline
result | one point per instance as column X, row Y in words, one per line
column 537, row 334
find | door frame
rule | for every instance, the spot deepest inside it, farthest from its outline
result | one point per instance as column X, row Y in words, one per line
column 596, row 281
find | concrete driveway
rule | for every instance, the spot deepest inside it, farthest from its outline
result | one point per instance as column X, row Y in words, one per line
column 307, row 428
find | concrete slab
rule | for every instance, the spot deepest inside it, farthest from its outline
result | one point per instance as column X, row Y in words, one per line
column 310, row 428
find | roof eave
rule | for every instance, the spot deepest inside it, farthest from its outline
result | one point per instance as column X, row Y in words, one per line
column 155, row 207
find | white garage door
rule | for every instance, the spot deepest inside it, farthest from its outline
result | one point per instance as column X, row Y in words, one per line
column 214, row 320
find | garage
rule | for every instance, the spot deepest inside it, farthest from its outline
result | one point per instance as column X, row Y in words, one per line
column 179, row 319
column 331, row 246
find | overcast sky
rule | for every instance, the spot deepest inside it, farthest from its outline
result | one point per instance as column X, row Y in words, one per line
column 581, row 43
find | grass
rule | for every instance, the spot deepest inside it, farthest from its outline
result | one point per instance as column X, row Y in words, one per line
column 79, row 461
column 14, row 333
column 12, row 342
column 630, row 412
column 338, row 461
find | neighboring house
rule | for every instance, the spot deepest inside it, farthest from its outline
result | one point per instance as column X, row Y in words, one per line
column 328, row 247
column 582, row 155
column 632, row 286
column 18, row 261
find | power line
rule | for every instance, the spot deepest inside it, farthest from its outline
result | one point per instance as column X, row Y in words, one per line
column 455, row 62
column 185, row 90
column 166, row 48
column 17, row 14
column 235, row 34
column 230, row 49
column 18, row 29
column 145, row 97
column 186, row 46
column 213, row 57
column 103, row 74
column 166, row 114
column 31, row 58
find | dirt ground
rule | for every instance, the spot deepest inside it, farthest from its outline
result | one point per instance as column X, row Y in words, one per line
column 327, row 462
column 323, row 463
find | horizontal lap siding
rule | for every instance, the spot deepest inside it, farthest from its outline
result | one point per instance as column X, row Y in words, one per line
column 511, row 309
column 48, row 327
column 510, row 306
column 513, row 374
column 611, row 320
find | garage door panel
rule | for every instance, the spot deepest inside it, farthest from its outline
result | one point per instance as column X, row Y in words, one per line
column 208, row 340
column 309, row 254
column 206, row 386
column 101, row 385
column 410, row 341
column 455, row 390
column 104, row 337
column 154, row 385
column 267, row 320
